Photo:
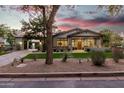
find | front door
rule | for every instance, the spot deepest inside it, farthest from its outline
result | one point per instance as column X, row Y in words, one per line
column 79, row 46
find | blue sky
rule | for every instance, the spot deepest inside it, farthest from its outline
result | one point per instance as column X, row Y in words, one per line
column 84, row 16
column 89, row 17
column 12, row 18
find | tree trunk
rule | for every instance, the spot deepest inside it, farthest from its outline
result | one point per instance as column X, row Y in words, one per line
column 44, row 32
column 49, row 56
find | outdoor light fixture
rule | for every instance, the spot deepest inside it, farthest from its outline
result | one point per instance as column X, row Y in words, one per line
column 20, row 43
column 40, row 43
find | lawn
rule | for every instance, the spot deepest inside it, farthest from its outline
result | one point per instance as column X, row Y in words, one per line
column 2, row 53
column 60, row 55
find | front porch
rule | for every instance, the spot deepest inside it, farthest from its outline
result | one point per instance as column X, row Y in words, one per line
column 79, row 43
column 78, row 39
column 34, row 45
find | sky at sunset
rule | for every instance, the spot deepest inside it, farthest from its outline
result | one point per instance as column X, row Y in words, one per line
column 84, row 16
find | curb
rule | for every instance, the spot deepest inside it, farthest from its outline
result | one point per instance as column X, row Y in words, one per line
column 61, row 74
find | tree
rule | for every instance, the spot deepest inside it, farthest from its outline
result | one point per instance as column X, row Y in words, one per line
column 116, row 39
column 113, row 10
column 106, row 37
column 110, row 38
column 6, row 33
column 10, row 39
column 3, row 30
column 34, row 29
column 48, row 13
column 123, row 42
column 49, row 58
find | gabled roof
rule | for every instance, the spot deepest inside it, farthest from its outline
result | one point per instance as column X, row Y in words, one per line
column 64, row 32
column 85, row 30
column 79, row 30
column 18, row 34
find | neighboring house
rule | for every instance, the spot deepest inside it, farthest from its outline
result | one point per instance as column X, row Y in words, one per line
column 2, row 42
column 78, row 39
column 19, row 39
column 73, row 39
column 122, row 35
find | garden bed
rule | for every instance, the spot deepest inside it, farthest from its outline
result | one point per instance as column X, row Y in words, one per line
column 72, row 65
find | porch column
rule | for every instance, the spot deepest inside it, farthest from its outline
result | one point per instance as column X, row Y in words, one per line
column 22, row 44
column 33, row 45
column 27, row 44
column 98, row 43
column 40, row 44
column 70, row 44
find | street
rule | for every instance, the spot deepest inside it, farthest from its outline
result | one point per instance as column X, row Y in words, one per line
column 95, row 82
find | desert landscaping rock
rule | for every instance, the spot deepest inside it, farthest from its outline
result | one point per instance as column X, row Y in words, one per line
column 21, row 65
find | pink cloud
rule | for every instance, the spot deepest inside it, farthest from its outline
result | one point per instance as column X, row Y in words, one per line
column 80, row 23
column 114, row 23
column 86, row 24
column 64, row 28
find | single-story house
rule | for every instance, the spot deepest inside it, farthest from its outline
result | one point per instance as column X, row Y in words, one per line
column 76, row 39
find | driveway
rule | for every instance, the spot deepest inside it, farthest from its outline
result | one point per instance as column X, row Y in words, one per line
column 8, row 58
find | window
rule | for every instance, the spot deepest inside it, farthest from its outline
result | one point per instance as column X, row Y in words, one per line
column 73, row 43
column 89, row 42
column 62, row 42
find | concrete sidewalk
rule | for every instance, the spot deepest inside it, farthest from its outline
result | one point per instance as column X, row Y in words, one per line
column 8, row 58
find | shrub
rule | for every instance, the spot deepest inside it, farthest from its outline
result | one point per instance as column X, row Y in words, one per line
column 44, row 47
column 117, row 54
column 18, row 47
column 22, row 60
column 65, row 57
column 88, row 50
column 108, row 50
column 98, row 58
column 34, row 57
column 37, row 46
column 98, row 49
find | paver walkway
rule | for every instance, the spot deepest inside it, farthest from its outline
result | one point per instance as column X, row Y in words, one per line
column 8, row 58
